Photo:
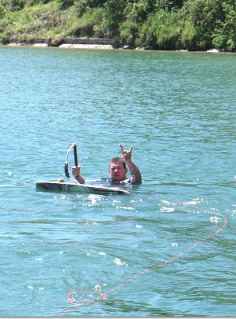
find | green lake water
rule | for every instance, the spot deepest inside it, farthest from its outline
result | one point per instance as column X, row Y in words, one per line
column 166, row 250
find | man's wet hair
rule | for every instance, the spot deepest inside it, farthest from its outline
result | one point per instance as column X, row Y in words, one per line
column 118, row 159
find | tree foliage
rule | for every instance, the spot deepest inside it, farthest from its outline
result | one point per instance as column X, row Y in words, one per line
column 224, row 35
column 155, row 24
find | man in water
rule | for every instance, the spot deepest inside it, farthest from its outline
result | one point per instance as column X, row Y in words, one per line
column 117, row 170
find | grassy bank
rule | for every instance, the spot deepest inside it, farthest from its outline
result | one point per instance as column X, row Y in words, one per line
column 153, row 24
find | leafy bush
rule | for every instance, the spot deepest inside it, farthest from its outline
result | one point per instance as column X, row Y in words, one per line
column 157, row 24
column 2, row 11
column 224, row 36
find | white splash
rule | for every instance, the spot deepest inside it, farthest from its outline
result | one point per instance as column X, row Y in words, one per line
column 167, row 209
column 102, row 254
column 214, row 220
column 118, row 262
column 126, row 208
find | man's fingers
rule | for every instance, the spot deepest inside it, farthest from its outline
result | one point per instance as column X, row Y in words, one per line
column 122, row 148
column 124, row 151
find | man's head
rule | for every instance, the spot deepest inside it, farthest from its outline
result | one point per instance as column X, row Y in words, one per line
column 117, row 169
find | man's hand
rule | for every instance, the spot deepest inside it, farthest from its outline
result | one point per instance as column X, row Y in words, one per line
column 76, row 170
column 136, row 177
column 77, row 175
column 127, row 154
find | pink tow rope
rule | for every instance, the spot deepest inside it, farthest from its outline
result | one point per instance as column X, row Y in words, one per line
column 103, row 295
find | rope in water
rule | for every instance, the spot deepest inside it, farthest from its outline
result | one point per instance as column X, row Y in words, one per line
column 103, row 295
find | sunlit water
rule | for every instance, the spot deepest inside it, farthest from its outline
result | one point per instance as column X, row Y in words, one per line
column 178, row 111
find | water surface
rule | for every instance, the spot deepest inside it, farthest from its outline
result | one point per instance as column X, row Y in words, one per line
column 178, row 111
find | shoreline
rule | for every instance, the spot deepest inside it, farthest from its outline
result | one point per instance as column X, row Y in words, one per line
column 97, row 46
column 64, row 45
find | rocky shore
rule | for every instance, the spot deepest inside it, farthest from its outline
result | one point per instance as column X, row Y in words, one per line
column 65, row 45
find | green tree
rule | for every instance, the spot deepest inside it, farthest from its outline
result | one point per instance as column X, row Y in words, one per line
column 134, row 15
column 13, row 5
column 91, row 3
column 224, row 36
column 168, row 4
column 162, row 30
column 199, row 20
column 2, row 11
column 67, row 3
column 113, row 16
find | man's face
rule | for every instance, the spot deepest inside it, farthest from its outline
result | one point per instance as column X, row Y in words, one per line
column 117, row 171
